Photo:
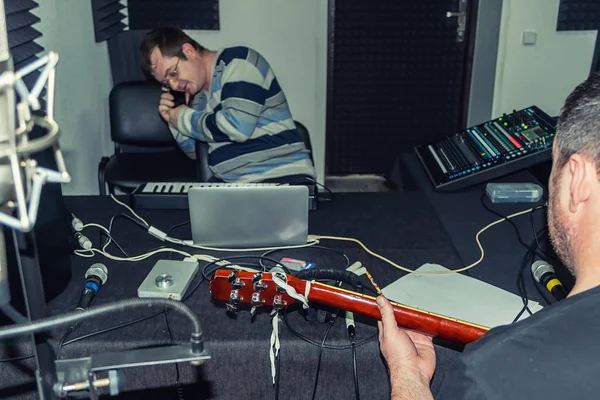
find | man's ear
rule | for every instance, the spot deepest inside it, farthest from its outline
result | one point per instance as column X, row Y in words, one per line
column 581, row 175
column 188, row 50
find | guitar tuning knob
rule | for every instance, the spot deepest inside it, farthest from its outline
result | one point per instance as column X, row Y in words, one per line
column 232, row 308
column 278, row 302
column 232, row 276
column 253, row 311
column 256, row 277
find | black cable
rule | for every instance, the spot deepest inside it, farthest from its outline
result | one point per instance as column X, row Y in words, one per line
column 76, row 316
column 64, row 337
column 127, row 217
column 323, row 186
column 532, row 250
column 177, row 226
column 321, row 353
column 204, row 276
column 315, row 246
column 178, row 384
column 205, row 268
column 112, row 328
column 535, row 283
column 509, row 220
column 64, row 342
column 109, row 237
column 534, row 230
column 522, row 288
column 17, row 358
column 311, row 180
column 355, row 371
column 527, row 259
column 315, row 343
column 351, row 337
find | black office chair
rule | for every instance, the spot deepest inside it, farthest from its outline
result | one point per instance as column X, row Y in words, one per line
column 145, row 150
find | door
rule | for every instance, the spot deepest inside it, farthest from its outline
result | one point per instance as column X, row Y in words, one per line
column 397, row 77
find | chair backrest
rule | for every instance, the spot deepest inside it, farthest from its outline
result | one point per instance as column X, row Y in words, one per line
column 134, row 117
column 306, row 138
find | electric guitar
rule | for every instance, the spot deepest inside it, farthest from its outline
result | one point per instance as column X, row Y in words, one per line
column 259, row 289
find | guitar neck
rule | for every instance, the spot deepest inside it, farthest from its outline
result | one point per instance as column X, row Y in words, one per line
column 411, row 318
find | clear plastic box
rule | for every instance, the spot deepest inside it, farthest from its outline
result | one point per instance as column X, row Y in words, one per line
column 514, row 192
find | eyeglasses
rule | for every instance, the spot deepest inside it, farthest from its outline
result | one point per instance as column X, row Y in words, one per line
column 172, row 75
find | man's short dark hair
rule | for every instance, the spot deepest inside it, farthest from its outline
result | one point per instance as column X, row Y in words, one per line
column 578, row 128
column 169, row 41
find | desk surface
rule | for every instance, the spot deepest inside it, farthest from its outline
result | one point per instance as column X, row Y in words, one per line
column 400, row 226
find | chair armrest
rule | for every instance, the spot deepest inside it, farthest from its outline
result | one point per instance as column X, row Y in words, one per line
column 203, row 172
column 101, row 175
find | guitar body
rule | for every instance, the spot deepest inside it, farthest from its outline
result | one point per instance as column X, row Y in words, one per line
column 260, row 289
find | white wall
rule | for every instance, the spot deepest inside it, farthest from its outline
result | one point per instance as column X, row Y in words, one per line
column 542, row 74
column 83, row 82
column 292, row 36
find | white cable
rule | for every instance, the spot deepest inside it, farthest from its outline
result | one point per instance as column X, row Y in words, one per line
column 93, row 251
column 307, row 289
column 130, row 210
column 157, row 233
column 275, row 345
column 453, row 271
column 93, row 225
column 289, row 289
column 76, row 224
column 152, row 230
column 197, row 246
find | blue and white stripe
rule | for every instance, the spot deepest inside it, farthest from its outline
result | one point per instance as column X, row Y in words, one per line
column 246, row 120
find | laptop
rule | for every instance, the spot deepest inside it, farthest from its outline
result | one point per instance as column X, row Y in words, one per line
column 249, row 216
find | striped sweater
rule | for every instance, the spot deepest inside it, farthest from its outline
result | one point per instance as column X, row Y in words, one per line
column 246, row 121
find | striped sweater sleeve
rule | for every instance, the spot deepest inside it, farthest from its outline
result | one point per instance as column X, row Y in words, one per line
column 234, row 119
column 185, row 143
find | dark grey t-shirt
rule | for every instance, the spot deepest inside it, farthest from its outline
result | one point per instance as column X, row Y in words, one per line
column 553, row 354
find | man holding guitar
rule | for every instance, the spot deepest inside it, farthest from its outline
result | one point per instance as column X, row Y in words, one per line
column 551, row 354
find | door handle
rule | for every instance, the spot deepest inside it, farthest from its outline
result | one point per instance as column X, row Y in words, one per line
column 461, row 16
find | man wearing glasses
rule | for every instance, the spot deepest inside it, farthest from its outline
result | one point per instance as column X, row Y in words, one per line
column 233, row 102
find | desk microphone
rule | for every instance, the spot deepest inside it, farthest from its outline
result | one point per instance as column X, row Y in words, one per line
column 544, row 274
column 95, row 277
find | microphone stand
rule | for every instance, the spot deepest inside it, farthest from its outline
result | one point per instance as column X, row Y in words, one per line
column 35, row 304
column 21, row 181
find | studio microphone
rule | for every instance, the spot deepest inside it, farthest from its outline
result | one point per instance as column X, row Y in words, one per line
column 544, row 274
column 95, row 277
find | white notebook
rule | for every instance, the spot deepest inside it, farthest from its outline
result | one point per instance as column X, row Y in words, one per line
column 458, row 296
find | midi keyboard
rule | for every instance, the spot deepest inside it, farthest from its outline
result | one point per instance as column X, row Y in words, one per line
column 174, row 195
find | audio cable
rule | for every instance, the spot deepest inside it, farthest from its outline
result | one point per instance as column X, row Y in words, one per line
column 318, row 238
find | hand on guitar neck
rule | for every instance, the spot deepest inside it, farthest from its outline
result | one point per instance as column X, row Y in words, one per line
column 410, row 356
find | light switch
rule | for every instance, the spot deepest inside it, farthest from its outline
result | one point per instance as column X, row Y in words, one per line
column 529, row 38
